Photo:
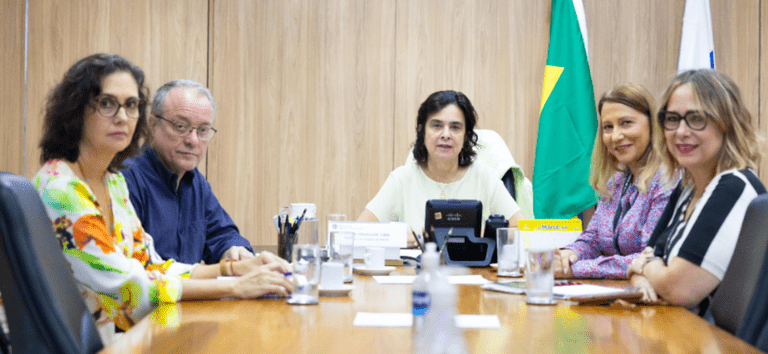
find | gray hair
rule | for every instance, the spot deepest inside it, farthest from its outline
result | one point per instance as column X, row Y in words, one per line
column 158, row 103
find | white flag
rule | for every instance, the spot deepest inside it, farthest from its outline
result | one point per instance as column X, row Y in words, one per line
column 697, row 48
column 578, row 5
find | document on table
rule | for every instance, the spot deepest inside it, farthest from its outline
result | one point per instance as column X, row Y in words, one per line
column 453, row 279
column 477, row 321
column 371, row 319
column 584, row 290
column 410, row 252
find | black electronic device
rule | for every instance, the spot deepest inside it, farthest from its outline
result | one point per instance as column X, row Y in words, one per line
column 494, row 222
column 455, row 225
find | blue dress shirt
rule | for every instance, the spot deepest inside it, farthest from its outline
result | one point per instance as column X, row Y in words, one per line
column 187, row 224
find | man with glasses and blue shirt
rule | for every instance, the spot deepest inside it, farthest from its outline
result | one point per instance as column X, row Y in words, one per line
column 172, row 198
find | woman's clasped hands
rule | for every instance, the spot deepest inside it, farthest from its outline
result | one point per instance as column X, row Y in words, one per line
column 263, row 274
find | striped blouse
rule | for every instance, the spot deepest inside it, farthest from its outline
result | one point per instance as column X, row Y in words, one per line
column 708, row 238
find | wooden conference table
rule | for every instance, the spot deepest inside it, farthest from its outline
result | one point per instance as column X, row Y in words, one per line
column 272, row 326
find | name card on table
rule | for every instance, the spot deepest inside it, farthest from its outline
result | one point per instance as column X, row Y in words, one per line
column 548, row 233
column 389, row 235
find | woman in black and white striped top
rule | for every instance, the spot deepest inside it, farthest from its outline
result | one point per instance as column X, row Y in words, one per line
column 708, row 134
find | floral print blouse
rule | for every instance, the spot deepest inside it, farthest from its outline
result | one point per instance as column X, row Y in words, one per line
column 595, row 247
column 120, row 275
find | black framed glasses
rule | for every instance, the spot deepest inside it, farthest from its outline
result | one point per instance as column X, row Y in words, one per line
column 181, row 128
column 696, row 120
column 108, row 105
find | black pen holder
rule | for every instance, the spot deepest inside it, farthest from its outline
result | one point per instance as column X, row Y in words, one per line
column 285, row 242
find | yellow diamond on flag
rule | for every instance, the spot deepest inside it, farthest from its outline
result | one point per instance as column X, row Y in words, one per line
column 551, row 75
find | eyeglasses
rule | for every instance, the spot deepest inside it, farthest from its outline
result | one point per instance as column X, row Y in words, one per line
column 696, row 120
column 108, row 105
column 181, row 128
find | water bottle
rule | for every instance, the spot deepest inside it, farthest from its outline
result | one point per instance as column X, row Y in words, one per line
column 420, row 287
column 440, row 334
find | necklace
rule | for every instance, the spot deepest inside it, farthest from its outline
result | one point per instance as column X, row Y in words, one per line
column 106, row 190
column 443, row 186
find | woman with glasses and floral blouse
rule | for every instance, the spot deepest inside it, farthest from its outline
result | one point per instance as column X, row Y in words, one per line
column 708, row 134
column 95, row 119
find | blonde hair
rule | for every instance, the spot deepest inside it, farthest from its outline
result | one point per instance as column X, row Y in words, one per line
column 604, row 164
column 717, row 95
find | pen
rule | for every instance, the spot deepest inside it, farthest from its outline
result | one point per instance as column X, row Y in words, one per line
column 301, row 218
column 418, row 240
column 291, row 225
column 277, row 222
column 283, row 219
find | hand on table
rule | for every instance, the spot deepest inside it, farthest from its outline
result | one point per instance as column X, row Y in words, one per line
column 636, row 267
column 649, row 295
column 237, row 253
column 561, row 262
column 264, row 258
column 265, row 279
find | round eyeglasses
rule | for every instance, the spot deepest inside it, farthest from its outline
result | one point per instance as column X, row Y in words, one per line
column 108, row 105
column 180, row 128
column 696, row 120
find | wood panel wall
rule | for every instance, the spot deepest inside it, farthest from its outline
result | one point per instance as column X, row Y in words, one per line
column 492, row 51
column 758, row 115
column 317, row 99
column 306, row 92
column 12, row 89
column 167, row 39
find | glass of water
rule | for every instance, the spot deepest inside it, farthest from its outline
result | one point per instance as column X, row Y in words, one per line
column 507, row 245
column 540, row 279
column 329, row 230
column 306, row 274
column 341, row 249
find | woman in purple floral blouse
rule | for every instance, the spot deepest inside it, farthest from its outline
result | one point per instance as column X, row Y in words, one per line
column 633, row 193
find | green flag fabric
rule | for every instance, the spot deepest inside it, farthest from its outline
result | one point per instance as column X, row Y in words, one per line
column 567, row 121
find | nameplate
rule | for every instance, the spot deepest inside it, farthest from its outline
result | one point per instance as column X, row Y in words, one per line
column 390, row 235
column 548, row 233
column 550, row 225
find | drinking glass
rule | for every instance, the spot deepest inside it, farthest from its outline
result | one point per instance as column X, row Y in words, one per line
column 329, row 218
column 341, row 249
column 306, row 274
column 507, row 246
column 539, row 278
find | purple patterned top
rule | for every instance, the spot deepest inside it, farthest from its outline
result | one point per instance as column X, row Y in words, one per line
column 598, row 257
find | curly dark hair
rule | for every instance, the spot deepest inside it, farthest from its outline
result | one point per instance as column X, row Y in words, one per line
column 433, row 104
column 67, row 101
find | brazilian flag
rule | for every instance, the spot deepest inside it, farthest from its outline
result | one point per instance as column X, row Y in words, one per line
column 567, row 121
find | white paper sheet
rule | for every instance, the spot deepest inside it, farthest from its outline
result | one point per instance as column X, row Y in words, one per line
column 584, row 289
column 477, row 321
column 410, row 252
column 371, row 319
column 394, row 279
column 467, row 279
column 453, row 279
